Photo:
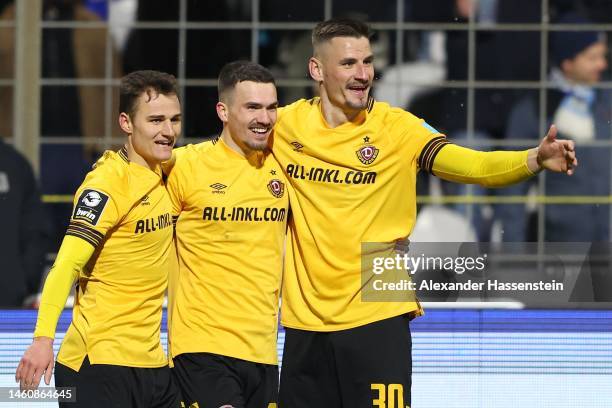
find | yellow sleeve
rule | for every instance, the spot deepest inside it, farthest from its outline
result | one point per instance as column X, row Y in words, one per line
column 489, row 169
column 73, row 255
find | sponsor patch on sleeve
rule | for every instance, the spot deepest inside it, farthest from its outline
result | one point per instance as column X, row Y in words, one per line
column 429, row 127
column 90, row 206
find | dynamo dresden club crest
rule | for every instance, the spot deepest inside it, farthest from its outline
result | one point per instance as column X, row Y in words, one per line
column 367, row 154
column 276, row 187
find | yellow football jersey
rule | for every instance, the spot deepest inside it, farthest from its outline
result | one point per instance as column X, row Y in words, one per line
column 123, row 210
column 351, row 184
column 230, row 233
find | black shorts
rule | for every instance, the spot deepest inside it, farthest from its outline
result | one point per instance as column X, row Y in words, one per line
column 105, row 385
column 212, row 380
column 367, row 366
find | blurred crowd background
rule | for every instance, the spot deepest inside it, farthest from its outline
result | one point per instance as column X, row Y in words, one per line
column 490, row 74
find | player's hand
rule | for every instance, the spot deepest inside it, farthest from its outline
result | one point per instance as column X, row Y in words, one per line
column 557, row 155
column 36, row 361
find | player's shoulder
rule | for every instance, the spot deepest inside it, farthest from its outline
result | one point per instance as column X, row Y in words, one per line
column 107, row 181
column 185, row 157
column 205, row 146
column 110, row 172
column 195, row 151
column 399, row 121
column 402, row 126
column 298, row 107
column 390, row 113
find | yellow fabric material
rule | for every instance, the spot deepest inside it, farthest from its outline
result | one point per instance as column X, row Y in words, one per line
column 230, row 233
column 489, row 169
column 122, row 209
column 351, row 184
column 71, row 258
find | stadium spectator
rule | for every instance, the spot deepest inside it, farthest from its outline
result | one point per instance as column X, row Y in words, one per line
column 582, row 113
column 25, row 229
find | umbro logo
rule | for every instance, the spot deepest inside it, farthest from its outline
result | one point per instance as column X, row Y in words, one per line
column 297, row 147
column 218, row 188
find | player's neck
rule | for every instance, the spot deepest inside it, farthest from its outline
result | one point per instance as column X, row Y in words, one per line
column 136, row 158
column 253, row 156
column 336, row 116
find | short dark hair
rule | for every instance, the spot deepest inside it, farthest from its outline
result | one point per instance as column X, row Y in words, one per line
column 238, row 71
column 136, row 83
column 339, row 27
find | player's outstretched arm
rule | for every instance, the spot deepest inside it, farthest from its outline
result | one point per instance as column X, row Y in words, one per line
column 504, row 168
column 38, row 359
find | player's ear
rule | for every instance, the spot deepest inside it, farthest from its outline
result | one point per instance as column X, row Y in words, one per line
column 125, row 123
column 222, row 111
column 315, row 69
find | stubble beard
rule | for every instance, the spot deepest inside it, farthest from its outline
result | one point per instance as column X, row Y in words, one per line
column 257, row 146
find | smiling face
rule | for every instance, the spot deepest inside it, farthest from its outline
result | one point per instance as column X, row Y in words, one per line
column 248, row 113
column 153, row 128
column 344, row 68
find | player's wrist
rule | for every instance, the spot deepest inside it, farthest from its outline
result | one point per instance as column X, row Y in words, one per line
column 43, row 340
column 534, row 161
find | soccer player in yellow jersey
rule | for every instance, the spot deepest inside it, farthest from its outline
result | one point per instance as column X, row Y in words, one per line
column 352, row 163
column 231, row 202
column 118, row 248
